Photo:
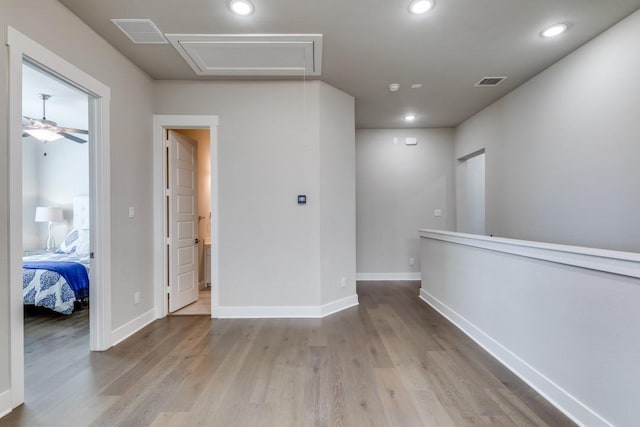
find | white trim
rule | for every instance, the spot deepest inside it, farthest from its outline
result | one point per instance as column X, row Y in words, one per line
column 160, row 124
column 616, row 262
column 339, row 305
column 410, row 275
column 264, row 312
column 23, row 48
column 556, row 395
column 5, row 403
column 288, row 311
column 125, row 331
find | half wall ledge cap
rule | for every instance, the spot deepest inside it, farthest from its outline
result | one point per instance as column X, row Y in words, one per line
column 605, row 260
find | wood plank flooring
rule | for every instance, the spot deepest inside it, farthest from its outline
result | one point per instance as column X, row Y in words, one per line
column 391, row 361
column 200, row 307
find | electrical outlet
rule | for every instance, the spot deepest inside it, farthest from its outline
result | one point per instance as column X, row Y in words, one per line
column 343, row 282
column 136, row 298
column 412, row 261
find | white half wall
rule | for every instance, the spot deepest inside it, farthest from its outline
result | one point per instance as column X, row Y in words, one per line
column 562, row 318
column 562, row 150
column 398, row 188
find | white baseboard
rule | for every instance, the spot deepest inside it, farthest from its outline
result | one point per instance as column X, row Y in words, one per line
column 411, row 275
column 125, row 331
column 339, row 305
column 556, row 395
column 284, row 312
column 5, row 403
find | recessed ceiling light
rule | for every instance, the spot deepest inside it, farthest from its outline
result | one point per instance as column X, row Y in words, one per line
column 416, row 85
column 409, row 117
column 241, row 7
column 418, row 7
column 394, row 87
column 554, row 30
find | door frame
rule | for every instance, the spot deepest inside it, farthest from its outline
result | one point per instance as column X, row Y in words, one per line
column 22, row 48
column 162, row 123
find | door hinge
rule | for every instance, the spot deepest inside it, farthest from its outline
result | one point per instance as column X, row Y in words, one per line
column 168, row 240
column 167, row 192
column 169, row 289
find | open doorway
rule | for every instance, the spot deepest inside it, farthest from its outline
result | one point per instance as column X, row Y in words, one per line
column 96, row 208
column 189, row 263
column 198, row 234
column 56, row 232
column 470, row 193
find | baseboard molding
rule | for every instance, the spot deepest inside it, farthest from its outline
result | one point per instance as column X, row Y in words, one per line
column 5, row 403
column 339, row 305
column 556, row 395
column 411, row 275
column 125, row 331
column 284, row 312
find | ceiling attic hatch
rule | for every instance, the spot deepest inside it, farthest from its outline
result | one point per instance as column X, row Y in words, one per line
column 251, row 54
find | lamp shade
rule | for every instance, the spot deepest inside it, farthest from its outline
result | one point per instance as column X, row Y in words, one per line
column 48, row 214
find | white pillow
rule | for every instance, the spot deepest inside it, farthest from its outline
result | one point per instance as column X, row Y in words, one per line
column 77, row 242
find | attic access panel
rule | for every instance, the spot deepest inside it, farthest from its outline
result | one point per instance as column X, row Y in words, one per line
column 251, row 54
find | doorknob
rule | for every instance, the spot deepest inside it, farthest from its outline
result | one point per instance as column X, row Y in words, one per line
column 197, row 241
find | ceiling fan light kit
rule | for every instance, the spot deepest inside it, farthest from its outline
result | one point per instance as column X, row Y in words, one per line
column 46, row 131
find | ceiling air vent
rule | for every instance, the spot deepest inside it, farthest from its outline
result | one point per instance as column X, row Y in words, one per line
column 251, row 54
column 140, row 31
column 490, row 81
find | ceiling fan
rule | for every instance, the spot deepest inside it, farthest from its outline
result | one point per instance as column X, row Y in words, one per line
column 46, row 130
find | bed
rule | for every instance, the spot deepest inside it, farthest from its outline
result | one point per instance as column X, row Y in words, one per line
column 59, row 280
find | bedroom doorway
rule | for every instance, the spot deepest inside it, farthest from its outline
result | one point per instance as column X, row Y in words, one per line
column 27, row 56
column 55, row 227
column 173, row 137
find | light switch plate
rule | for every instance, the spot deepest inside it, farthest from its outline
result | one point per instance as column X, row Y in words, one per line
column 132, row 212
column 437, row 212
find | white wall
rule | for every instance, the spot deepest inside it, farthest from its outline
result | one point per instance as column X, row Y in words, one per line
column 398, row 188
column 268, row 154
column 337, row 194
column 30, row 194
column 52, row 25
column 562, row 149
column 60, row 176
column 571, row 332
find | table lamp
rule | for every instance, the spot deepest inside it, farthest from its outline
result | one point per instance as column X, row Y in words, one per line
column 50, row 215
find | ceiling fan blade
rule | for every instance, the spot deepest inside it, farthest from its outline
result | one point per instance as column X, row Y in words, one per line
column 72, row 130
column 72, row 138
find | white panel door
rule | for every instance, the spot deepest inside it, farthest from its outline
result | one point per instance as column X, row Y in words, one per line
column 183, row 222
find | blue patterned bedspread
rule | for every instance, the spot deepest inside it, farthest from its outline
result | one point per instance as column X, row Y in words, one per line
column 48, row 288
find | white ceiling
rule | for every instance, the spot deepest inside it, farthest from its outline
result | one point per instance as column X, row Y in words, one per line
column 68, row 107
column 371, row 43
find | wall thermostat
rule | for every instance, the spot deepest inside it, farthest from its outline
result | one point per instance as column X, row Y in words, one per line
column 302, row 199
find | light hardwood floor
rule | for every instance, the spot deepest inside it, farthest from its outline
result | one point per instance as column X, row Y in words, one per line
column 390, row 361
column 200, row 307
